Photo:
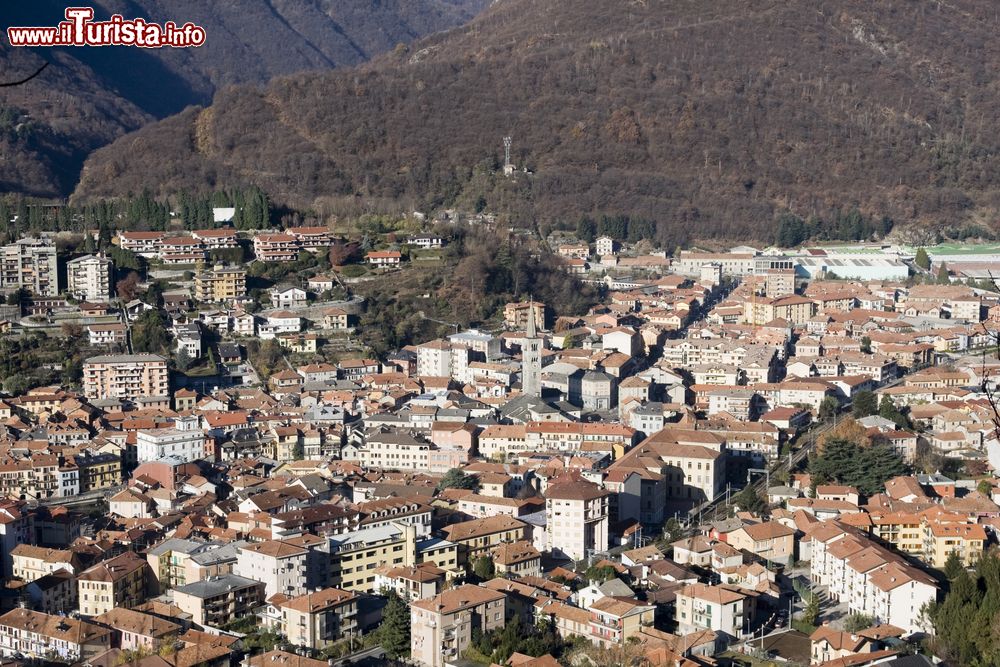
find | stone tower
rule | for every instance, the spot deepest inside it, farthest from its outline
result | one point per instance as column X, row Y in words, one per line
column 531, row 358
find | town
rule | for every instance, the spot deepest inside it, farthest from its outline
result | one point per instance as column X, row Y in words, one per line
column 743, row 456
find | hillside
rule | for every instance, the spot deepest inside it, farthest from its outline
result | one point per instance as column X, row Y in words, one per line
column 710, row 117
column 91, row 96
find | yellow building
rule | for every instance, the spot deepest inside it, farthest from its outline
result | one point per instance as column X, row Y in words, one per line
column 220, row 284
column 101, row 471
column 941, row 539
column 793, row 308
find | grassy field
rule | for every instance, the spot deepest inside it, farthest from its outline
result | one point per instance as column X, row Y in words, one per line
column 963, row 249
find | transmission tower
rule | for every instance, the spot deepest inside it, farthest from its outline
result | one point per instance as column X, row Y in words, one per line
column 507, row 167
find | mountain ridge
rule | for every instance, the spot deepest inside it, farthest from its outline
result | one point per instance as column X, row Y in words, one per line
column 90, row 96
column 712, row 118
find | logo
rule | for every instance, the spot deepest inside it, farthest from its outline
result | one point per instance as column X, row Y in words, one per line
column 80, row 29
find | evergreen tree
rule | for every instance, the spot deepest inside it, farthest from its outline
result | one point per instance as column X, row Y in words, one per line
column 586, row 230
column 953, row 566
column 866, row 345
column 394, row 632
column 864, row 404
column 457, row 479
column 748, row 500
column 943, row 277
column 484, row 568
column 828, row 408
column 887, row 410
column 922, row 260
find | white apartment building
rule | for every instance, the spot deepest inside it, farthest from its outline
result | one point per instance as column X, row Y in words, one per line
column 31, row 264
column 278, row 323
column 869, row 577
column 576, row 514
column 88, row 278
column 185, row 441
column 439, row 358
column 280, row 566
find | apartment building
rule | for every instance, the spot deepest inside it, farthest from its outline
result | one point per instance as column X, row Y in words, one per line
column 792, row 308
column 412, row 582
column 88, row 278
column 726, row 610
column 114, row 333
column 135, row 630
column 318, row 619
column 931, row 535
column 769, row 540
column 613, row 621
column 219, row 600
column 515, row 315
column 216, row 239
column 41, row 636
column 280, row 566
column 576, row 436
column 32, row 562
column 441, row 626
column 146, row 244
column 121, row 581
column 275, row 247
column 480, row 537
column 185, row 441
column 220, row 284
column 125, row 376
column 30, row 264
column 355, row 556
column 576, row 518
column 870, row 578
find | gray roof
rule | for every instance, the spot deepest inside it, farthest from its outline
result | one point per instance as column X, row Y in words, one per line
column 176, row 544
column 219, row 553
column 123, row 358
column 217, row 586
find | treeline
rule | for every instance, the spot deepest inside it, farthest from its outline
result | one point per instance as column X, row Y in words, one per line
column 792, row 231
column 20, row 216
column 618, row 227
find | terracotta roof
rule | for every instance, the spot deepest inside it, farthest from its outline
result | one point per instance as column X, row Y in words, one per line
column 459, row 598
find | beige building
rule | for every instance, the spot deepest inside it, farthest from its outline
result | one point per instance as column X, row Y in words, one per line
column 119, row 582
column 479, row 537
column 37, row 635
column 125, row 376
column 219, row 600
column 515, row 315
column 31, row 264
column 88, row 278
column 441, row 627
column 769, row 540
column 792, row 308
column 137, row 630
column 319, row 619
column 33, row 562
column 220, row 284
column 576, row 514
column 356, row 557
column 613, row 621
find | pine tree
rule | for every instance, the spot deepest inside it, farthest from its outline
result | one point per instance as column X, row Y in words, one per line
column 943, row 277
column 864, row 404
column 953, row 566
column 922, row 260
column 394, row 632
